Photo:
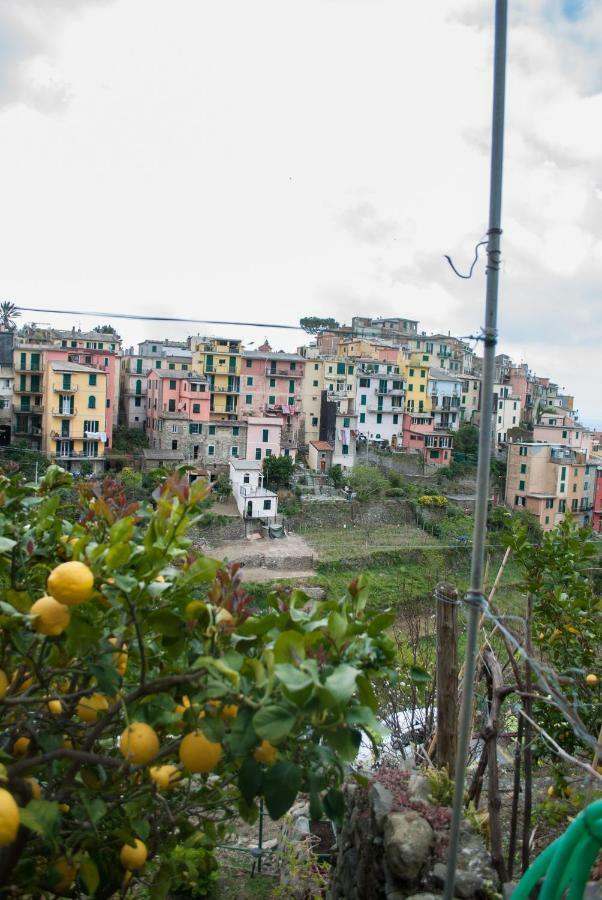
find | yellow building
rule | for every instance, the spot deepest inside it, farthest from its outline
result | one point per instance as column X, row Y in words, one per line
column 334, row 375
column 415, row 368
column 74, row 415
column 220, row 360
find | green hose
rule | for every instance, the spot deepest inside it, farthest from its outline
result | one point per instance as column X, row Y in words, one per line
column 567, row 862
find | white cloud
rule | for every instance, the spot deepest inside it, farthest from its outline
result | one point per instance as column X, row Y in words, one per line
column 270, row 159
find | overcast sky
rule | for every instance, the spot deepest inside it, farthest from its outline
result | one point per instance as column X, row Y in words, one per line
column 268, row 159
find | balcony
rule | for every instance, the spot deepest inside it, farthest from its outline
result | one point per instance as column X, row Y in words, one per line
column 29, row 390
column 283, row 373
column 64, row 413
column 27, row 368
column 174, row 414
column 225, row 390
column 334, row 396
column 29, row 431
column 247, row 491
column 394, row 392
column 34, row 409
column 65, row 390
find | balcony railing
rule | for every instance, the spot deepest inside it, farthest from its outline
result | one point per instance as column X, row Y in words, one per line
column 29, row 390
column 34, row 409
column 64, row 413
column 65, row 390
column 225, row 390
column 283, row 373
column 28, row 368
column 393, row 392
column 247, row 491
column 32, row 432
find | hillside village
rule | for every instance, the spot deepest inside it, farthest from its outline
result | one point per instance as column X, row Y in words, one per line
column 213, row 403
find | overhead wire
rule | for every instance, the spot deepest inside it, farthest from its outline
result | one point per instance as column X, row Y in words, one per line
column 146, row 318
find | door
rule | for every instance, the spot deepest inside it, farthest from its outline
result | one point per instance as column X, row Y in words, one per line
column 249, row 509
column 322, row 465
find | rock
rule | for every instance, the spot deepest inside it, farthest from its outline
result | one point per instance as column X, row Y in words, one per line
column 424, row 897
column 408, row 841
column 381, row 800
column 300, row 828
column 419, row 788
column 469, row 883
column 270, row 845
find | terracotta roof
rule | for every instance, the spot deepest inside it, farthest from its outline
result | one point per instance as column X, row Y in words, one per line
column 321, row 445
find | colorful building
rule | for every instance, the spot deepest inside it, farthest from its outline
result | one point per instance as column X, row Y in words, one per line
column 379, row 401
column 445, row 392
column 220, row 360
column 549, row 481
column 470, row 399
column 419, row 436
column 170, row 356
column 74, row 415
column 264, row 437
column 597, row 516
column 272, row 385
column 415, row 368
column 506, row 412
column 178, row 406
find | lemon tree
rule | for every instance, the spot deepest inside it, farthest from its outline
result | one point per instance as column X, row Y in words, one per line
column 144, row 701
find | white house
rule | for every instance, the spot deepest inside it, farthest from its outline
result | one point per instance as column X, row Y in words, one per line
column 379, row 397
column 446, row 397
column 252, row 499
column 507, row 413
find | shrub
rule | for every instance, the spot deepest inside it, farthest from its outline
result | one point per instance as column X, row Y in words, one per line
column 367, row 482
column 433, row 500
column 166, row 643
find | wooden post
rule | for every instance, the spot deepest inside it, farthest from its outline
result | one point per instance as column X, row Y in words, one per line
column 447, row 676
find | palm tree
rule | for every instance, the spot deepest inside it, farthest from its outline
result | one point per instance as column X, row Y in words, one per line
column 8, row 313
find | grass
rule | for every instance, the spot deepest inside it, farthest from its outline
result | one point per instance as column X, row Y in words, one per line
column 235, row 883
column 358, row 540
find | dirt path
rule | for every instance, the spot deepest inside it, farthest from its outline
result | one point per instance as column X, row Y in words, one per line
column 249, row 573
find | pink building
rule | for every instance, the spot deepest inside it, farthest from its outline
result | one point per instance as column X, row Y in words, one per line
column 518, row 378
column 271, row 384
column 264, row 436
column 177, row 406
column 420, row 436
column 597, row 518
column 563, row 430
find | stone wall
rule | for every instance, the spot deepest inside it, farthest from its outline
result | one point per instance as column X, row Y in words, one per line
column 393, row 844
column 335, row 513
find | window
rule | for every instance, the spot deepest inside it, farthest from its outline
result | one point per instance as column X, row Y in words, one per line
column 345, row 449
column 422, row 389
column 346, row 422
column 523, row 468
column 562, row 487
column 574, row 489
column 411, row 373
column 434, row 454
column 196, row 407
column 395, row 418
column 258, row 453
column 363, row 400
column 235, row 430
column 340, row 369
column 171, row 366
column 350, row 370
column 379, row 418
column 171, row 405
column 561, row 506
column 137, row 401
column 423, row 373
column 195, row 428
column 108, row 403
column 268, row 452
column 157, row 364
column 249, row 381
column 314, row 420
column 272, row 400
column 172, row 384
column 550, row 503
column 267, row 504
column 523, row 451
column 210, row 450
column 362, row 418
column 364, row 382
column 519, row 501
column 265, row 435
column 291, row 401
column 65, row 428
column 246, row 478
column 138, row 386
column 499, row 420
column 563, row 473
column 92, row 402
column 184, row 367
column 574, row 505
column 92, row 380
column 410, row 387
column 212, row 429
column 547, row 520
column 521, row 485
column 234, row 451
column 291, row 387
column 174, row 445
column 248, row 399
column 66, row 382
column 273, row 382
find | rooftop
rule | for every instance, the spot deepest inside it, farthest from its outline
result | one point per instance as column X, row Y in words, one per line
column 75, row 367
column 246, row 465
column 437, row 374
column 273, row 354
column 323, row 446
column 190, row 376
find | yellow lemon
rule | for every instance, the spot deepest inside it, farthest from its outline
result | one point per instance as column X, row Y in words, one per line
column 120, row 659
column 266, row 753
column 64, row 807
column 230, row 711
column 89, row 708
column 34, row 785
column 9, row 818
column 21, row 746
column 194, row 609
column 55, row 707
column 26, row 683
column 51, row 617
column 67, row 871
column 3, row 684
column 133, row 857
column 71, row 583
column 67, row 742
column 139, row 743
column 165, row 777
column 198, row 753
column 551, row 791
column 591, row 679
column 160, row 579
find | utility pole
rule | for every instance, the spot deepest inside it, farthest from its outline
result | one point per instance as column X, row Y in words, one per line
column 475, row 598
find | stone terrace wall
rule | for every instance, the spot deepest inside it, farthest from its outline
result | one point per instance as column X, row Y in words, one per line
column 393, row 845
column 335, row 513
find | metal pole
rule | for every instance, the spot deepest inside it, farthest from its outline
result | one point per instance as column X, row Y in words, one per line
column 475, row 598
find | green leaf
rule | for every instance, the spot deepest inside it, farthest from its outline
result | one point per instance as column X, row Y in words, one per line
column 203, row 569
column 381, row 623
column 118, row 556
column 334, row 806
column 419, row 675
column 166, row 623
column 95, row 807
column 337, row 625
column 242, row 738
column 125, row 583
column 341, row 684
column 249, row 812
column 159, row 889
column 257, row 625
column 272, row 723
column 366, row 692
column 292, row 678
column 88, row 872
column 6, row 544
column 40, row 816
column 290, row 647
column 281, row 785
column 121, row 531
column 346, row 742
column 250, row 778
